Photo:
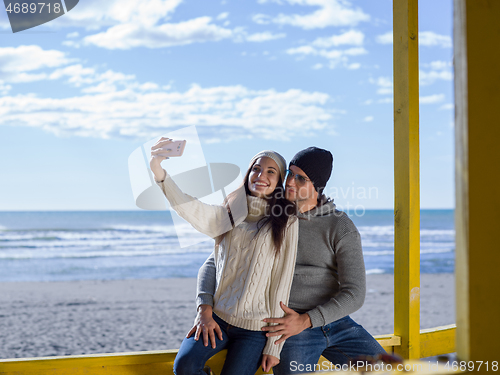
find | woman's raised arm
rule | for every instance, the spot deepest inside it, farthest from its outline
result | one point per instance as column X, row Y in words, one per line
column 212, row 220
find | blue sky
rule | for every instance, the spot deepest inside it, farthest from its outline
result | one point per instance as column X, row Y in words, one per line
column 79, row 94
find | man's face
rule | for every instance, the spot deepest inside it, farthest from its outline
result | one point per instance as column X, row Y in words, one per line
column 305, row 193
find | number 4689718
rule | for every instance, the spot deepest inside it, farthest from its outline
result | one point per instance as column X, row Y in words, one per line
column 33, row 8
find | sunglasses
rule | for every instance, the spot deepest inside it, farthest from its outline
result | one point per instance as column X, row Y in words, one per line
column 299, row 179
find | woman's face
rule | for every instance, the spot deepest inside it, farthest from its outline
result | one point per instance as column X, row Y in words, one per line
column 263, row 177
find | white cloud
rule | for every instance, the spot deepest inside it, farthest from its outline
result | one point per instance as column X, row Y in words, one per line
column 429, row 38
column 127, row 25
column 386, row 100
column 385, row 38
column 368, row 119
column 303, row 50
column 447, row 106
column 264, row 37
column 439, row 65
column 222, row 16
column 385, row 85
column 95, row 14
column 425, row 38
column 351, row 37
column 18, row 63
column 124, row 25
column 335, row 57
column 77, row 75
column 317, row 66
column 71, row 43
column 121, row 24
column 330, row 13
column 432, row 99
column 439, row 70
column 355, row 51
column 130, row 35
column 427, row 78
column 113, row 104
column 4, row 88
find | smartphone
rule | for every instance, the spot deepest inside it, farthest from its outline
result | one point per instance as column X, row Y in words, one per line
column 176, row 148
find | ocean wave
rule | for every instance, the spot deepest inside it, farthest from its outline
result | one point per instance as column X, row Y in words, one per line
column 377, row 253
column 375, row 271
column 388, row 230
column 368, row 243
column 143, row 228
column 104, row 254
column 391, row 252
column 86, row 235
column 435, row 251
column 385, row 230
column 445, row 244
column 437, row 232
column 390, row 244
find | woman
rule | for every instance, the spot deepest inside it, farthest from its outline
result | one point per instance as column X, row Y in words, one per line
column 255, row 255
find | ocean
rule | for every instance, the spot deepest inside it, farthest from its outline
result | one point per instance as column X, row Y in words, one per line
column 106, row 245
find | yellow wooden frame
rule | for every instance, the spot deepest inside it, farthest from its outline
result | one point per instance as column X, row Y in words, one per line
column 408, row 340
column 406, row 179
column 432, row 341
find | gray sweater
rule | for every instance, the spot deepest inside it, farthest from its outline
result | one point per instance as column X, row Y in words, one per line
column 329, row 280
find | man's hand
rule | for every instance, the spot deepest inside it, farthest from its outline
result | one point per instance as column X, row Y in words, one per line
column 290, row 325
column 268, row 362
column 205, row 323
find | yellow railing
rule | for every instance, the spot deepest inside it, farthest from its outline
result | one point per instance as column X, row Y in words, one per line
column 433, row 342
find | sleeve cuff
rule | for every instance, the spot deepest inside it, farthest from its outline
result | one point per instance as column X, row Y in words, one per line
column 317, row 319
column 164, row 177
column 204, row 299
column 271, row 348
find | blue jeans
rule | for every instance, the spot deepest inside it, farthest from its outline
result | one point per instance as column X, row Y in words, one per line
column 244, row 351
column 339, row 342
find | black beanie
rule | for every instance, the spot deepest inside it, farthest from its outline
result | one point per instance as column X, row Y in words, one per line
column 317, row 165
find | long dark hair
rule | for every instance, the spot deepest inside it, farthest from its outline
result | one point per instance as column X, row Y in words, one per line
column 279, row 210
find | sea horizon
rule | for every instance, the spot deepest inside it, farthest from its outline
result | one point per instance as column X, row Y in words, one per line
column 137, row 244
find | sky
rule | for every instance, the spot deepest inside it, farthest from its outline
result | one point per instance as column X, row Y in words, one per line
column 79, row 94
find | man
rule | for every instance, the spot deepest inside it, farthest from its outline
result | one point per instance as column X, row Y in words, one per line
column 329, row 281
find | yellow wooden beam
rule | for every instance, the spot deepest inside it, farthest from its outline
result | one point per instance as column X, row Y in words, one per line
column 477, row 180
column 406, row 179
column 437, row 341
column 80, row 364
column 388, row 341
column 434, row 341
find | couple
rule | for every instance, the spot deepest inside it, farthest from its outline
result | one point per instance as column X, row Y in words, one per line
column 288, row 266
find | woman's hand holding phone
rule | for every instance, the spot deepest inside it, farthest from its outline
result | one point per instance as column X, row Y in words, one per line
column 162, row 150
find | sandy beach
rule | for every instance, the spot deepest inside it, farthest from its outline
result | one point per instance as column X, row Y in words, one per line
column 85, row 317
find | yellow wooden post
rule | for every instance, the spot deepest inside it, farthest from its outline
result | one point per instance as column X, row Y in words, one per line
column 406, row 179
column 477, row 161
